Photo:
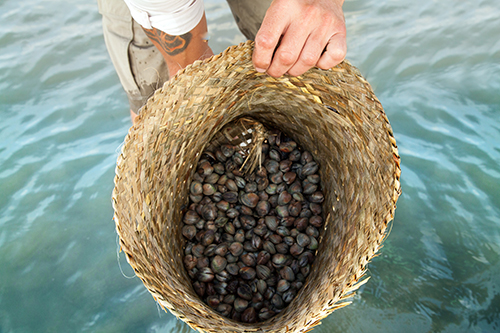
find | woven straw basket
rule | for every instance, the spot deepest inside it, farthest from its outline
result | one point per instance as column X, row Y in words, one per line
column 334, row 114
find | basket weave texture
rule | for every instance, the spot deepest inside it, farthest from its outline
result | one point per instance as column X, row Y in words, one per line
column 334, row 114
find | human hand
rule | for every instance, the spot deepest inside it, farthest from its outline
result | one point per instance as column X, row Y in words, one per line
column 296, row 35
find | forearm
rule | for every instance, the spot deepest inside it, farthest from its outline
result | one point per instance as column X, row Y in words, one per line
column 180, row 51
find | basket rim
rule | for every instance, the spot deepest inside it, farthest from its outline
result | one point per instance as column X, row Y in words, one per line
column 146, row 124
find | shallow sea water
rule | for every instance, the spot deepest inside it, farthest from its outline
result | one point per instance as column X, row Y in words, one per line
column 434, row 65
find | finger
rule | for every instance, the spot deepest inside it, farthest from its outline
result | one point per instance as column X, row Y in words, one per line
column 266, row 40
column 309, row 55
column 288, row 51
column 335, row 52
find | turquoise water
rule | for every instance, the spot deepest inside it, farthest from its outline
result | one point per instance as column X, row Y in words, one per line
column 435, row 66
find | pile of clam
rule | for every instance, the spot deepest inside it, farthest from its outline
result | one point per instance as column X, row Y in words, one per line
column 252, row 237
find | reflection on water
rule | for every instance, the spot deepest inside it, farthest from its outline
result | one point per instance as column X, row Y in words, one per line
column 435, row 66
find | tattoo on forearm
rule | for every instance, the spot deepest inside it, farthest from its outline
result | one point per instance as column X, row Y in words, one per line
column 171, row 45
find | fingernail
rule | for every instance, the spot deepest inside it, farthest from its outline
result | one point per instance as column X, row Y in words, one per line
column 260, row 70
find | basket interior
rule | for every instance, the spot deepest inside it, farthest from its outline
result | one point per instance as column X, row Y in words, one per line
column 345, row 130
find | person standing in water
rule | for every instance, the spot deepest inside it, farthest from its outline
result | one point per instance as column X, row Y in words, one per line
column 151, row 40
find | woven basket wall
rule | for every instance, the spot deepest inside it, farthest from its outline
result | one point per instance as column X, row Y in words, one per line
column 334, row 114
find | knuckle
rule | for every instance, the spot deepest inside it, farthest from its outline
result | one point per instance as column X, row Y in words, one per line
column 339, row 54
column 326, row 19
column 333, row 59
column 309, row 59
column 286, row 58
column 311, row 13
column 264, row 41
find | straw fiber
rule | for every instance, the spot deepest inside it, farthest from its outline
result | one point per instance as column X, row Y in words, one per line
column 334, row 114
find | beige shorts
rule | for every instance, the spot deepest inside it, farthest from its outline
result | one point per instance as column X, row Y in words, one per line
column 139, row 65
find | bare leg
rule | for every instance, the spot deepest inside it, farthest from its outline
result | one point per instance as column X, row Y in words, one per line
column 183, row 50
